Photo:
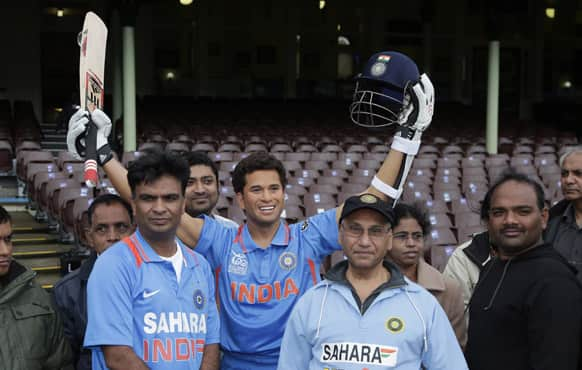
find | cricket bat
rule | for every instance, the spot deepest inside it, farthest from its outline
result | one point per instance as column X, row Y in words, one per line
column 93, row 42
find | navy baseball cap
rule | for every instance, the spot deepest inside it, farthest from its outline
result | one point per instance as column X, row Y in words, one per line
column 393, row 69
column 368, row 201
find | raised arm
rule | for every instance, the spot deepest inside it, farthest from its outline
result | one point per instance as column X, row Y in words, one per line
column 189, row 229
column 414, row 118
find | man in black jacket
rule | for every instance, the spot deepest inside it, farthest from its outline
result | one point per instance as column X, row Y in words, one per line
column 526, row 310
column 110, row 219
column 564, row 229
column 31, row 331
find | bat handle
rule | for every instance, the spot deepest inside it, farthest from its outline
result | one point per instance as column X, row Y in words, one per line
column 91, row 176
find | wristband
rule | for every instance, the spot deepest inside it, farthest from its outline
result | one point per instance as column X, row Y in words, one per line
column 385, row 188
column 405, row 146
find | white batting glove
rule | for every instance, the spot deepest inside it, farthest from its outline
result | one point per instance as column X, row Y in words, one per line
column 76, row 134
column 103, row 123
column 418, row 105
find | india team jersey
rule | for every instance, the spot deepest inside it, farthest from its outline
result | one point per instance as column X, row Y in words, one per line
column 259, row 287
column 135, row 300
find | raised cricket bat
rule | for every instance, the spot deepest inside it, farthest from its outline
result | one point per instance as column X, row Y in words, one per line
column 93, row 42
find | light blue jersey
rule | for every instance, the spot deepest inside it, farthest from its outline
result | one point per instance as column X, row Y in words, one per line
column 135, row 300
column 403, row 327
column 259, row 287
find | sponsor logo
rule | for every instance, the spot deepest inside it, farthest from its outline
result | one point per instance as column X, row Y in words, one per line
column 359, row 353
column 174, row 322
column 199, row 299
column 287, row 261
column 378, row 69
column 395, row 324
column 304, row 225
column 147, row 294
column 253, row 293
column 238, row 264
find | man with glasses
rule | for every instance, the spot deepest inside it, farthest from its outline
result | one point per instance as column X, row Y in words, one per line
column 110, row 219
column 411, row 225
column 366, row 313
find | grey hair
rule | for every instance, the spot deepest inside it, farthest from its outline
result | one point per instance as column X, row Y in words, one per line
column 571, row 150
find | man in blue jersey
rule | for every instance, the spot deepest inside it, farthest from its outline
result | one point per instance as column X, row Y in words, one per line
column 266, row 265
column 366, row 314
column 151, row 300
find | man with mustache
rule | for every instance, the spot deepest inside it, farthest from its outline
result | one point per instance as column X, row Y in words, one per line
column 110, row 220
column 564, row 229
column 150, row 299
column 526, row 310
column 202, row 190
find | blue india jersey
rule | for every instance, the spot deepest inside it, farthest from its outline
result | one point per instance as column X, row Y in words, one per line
column 258, row 287
column 135, row 300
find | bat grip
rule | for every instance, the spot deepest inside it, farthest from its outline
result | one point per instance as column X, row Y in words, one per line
column 91, row 175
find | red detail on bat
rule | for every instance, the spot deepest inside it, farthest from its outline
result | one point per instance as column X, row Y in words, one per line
column 84, row 44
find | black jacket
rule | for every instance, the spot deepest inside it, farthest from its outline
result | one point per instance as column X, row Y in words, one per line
column 70, row 295
column 556, row 212
column 526, row 313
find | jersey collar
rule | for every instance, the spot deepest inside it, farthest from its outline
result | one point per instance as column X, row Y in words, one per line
column 243, row 237
column 148, row 254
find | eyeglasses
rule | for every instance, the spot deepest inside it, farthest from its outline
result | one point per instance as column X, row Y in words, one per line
column 403, row 236
column 356, row 231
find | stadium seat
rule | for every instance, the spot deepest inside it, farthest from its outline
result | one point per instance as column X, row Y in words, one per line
column 467, row 219
column 218, row 157
column 336, row 181
column 297, row 157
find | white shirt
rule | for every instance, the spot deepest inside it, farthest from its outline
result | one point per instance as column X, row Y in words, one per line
column 177, row 261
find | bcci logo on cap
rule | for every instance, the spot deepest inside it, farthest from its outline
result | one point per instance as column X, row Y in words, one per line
column 368, row 199
column 287, row 261
column 238, row 264
column 199, row 299
column 378, row 69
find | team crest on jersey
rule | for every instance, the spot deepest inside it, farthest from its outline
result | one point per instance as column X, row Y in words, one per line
column 288, row 261
column 395, row 324
column 238, row 263
column 304, row 225
column 199, row 299
column 359, row 354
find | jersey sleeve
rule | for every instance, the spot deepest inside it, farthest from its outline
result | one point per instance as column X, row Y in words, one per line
column 443, row 351
column 214, row 241
column 321, row 233
column 213, row 322
column 296, row 349
column 109, row 300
